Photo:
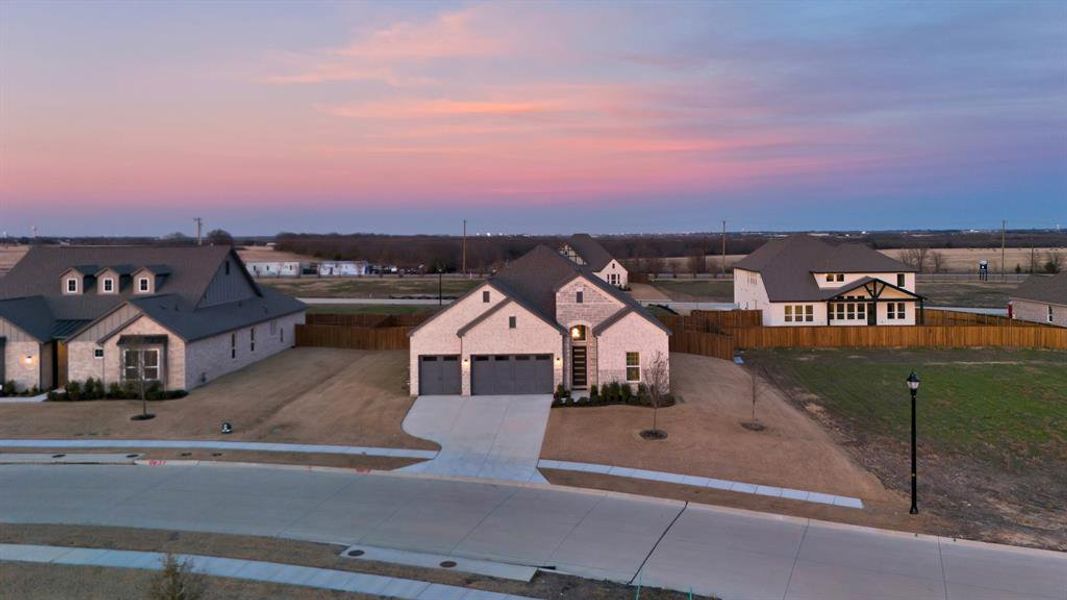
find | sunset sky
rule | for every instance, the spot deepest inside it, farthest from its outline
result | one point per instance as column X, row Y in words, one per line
column 132, row 118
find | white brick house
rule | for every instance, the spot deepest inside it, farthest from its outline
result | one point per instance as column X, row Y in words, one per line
column 586, row 251
column 542, row 321
column 181, row 316
column 801, row 280
column 1041, row 299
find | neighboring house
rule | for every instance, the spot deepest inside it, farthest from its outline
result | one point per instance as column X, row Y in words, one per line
column 274, row 268
column 350, row 268
column 540, row 322
column 1041, row 299
column 584, row 250
column 181, row 315
column 802, row 280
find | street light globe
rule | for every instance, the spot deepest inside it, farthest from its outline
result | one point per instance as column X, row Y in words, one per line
column 913, row 381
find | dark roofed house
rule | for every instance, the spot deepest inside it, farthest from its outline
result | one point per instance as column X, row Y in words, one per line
column 803, row 280
column 1041, row 299
column 177, row 315
column 544, row 320
column 583, row 250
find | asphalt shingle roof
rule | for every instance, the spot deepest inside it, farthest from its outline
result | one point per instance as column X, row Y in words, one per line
column 590, row 250
column 1043, row 288
column 787, row 265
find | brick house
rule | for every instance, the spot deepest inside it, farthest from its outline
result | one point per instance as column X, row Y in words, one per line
column 542, row 321
column 584, row 250
column 802, row 280
column 181, row 316
column 1041, row 299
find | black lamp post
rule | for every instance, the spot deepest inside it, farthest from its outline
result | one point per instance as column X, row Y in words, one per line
column 440, row 297
column 913, row 385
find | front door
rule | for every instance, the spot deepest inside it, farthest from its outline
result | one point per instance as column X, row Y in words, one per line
column 579, row 378
column 872, row 313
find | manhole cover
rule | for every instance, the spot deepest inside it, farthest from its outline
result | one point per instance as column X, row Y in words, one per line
column 355, row 553
column 448, row 564
column 58, row 455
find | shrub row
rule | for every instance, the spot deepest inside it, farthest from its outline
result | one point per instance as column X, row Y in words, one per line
column 613, row 393
column 94, row 389
column 10, row 388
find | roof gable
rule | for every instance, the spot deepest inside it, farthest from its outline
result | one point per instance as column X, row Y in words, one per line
column 591, row 251
column 1043, row 288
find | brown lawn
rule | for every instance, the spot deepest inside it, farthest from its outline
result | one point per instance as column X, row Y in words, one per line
column 308, row 395
column 706, row 436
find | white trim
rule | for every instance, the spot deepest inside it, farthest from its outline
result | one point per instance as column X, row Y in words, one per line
column 146, row 289
column 103, row 285
column 66, row 285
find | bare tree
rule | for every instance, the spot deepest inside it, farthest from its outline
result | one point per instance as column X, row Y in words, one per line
column 915, row 257
column 937, row 261
column 1053, row 261
column 657, row 380
column 176, row 581
column 697, row 262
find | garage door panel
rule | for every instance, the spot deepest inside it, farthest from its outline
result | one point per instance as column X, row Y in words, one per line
column 439, row 375
column 511, row 374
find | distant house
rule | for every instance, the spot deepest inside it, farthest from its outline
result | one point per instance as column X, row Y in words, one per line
column 802, row 280
column 269, row 269
column 348, row 268
column 584, row 250
column 181, row 316
column 542, row 321
column 1041, row 299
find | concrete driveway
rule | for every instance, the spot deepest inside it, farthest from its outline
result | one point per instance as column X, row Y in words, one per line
column 490, row 437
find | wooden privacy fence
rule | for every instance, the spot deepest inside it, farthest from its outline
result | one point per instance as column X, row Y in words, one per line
column 930, row 336
column 950, row 317
column 365, row 320
column 705, row 344
column 361, row 338
column 713, row 321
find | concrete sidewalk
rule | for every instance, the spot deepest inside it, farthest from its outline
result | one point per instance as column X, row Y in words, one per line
column 716, row 551
column 218, row 445
column 252, row 570
column 490, row 437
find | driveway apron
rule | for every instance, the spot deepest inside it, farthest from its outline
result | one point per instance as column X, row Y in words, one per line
column 491, row 437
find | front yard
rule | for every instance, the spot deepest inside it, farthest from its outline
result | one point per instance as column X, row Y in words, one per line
column 992, row 429
column 304, row 395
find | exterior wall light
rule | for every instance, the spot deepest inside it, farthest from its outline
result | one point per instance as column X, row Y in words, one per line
column 28, row 359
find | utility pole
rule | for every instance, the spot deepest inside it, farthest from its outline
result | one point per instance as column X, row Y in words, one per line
column 464, row 246
column 1003, row 237
column 199, row 228
column 724, row 248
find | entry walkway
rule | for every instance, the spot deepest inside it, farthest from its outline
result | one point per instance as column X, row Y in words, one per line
column 252, row 570
column 489, row 437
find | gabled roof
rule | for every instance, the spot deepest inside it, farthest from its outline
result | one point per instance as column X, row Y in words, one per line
column 863, row 281
column 118, row 269
column 191, row 323
column 594, row 255
column 788, row 265
column 189, row 269
column 1043, row 288
column 30, row 314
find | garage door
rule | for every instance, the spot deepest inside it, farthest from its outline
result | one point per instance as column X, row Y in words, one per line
column 439, row 375
column 511, row 374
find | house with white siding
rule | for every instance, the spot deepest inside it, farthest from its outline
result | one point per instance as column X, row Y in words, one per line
column 180, row 316
column 542, row 321
column 584, row 250
column 1041, row 299
column 802, row 280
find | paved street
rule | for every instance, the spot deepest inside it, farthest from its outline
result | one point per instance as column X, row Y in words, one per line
column 734, row 554
column 489, row 437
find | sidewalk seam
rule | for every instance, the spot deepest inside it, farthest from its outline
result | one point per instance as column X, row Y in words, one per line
column 656, row 545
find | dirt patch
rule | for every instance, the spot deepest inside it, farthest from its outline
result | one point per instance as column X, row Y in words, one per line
column 51, row 581
column 706, row 437
column 304, row 395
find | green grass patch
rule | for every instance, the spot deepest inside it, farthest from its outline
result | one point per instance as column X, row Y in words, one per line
column 1006, row 406
column 708, row 290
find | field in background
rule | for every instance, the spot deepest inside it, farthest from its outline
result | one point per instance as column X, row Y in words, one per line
column 992, row 428
column 268, row 254
column 371, row 287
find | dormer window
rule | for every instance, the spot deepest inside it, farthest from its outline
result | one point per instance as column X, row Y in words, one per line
column 144, row 285
column 107, row 285
column 71, row 285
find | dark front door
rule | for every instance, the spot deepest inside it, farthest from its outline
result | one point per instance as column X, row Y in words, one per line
column 505, row 374
column 439, row 375
column 579, row 375
column 872, row 313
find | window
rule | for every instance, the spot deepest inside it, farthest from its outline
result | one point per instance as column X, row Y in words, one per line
column 485, row 296
column 511, row 322
column 138, row 363
column 579, row 296
column 829, row 277
column 809, row 313
column 840, row 276
column 901, row 279
column 108, row 285
column 788, row 313
column 233, row 345
column 98, row 352
column 72, row 285
column 143, row 284
column 633, row 366
column 252, row 339
column 1050, row 315
column 799, row 313
column 895, row 310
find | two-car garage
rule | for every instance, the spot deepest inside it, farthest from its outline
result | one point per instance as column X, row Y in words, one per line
column 504, row 374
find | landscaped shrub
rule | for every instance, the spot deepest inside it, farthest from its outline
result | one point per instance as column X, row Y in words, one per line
column 94, row 389
column 9, row 388
column 627, row 394
column 74, row 391
column 594, row 393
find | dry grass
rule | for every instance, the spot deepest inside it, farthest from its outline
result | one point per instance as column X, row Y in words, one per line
column 307, row 395
column 266, row 254
column 706, row 436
